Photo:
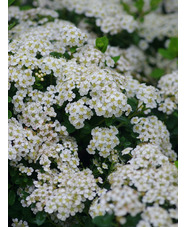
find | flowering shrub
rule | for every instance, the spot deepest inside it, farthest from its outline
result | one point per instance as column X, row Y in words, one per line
column 93, row 99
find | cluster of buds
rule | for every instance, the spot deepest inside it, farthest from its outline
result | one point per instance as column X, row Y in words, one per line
column 40, row 75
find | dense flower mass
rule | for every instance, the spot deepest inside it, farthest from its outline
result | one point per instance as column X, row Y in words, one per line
column 62, row 194
column 168, row 85
column 104, row 140
column 93, row 100
column 152, row 130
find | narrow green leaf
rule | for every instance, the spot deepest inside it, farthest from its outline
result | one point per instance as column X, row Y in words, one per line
column 9, row 99
column 73, row 49
column 139, row 5
column 157, row 73
column 116, row 58
column 56, row 54
column 176, row 163
column 133, row 102
column 26, row 7
column 10, row 2
column 154, row 4
column 102, row 43
column 173, row 45
column 11, row 25
column 126, row 7
column 9, row 114
column 68, row 125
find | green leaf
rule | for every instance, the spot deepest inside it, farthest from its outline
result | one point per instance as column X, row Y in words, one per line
column 87, row 221
column 40, row 218
column 103, row 221
column 116, row 58
column 132, row 220
column 11, row 25
column 9, row 114
column 175, row 114
column 173, row 45
column 139, row 5
column 157, row 73
column 73, row 49
column 68, row 125
column 56, row 54
column 9, row 99
column 166, row 53
column 11, row 197
column 154, row 4
column 176, row 164
column 126, row 7
column 133, row 102
column 109, row 121
column 86, row 129
column 172, row 51
column 10, row 2
column 123, row 119
column 136, row 38
column 102, row 43
column 66, row 55
column 26, row 7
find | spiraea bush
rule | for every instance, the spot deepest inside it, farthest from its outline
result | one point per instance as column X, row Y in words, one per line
column 93, row 107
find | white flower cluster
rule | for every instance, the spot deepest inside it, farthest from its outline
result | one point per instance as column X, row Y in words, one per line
column 157, row 216
column 56, row 36
column 109, row 15
column 104, row 86
column 152, row 130
column 83, row 84
column 104, row 140
column 78, row 113
column 24, row 169
column 145, row 156
column 19, row 223
column 156, row 25
column 35, row 115
column 33, row 15
column 155, row 183
column 148, row 96
column 62, row 193
column 88, row 55
column 168, row 85
column 131, row 59
column 20, row 140
column 120, row 201
column 51, row 141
